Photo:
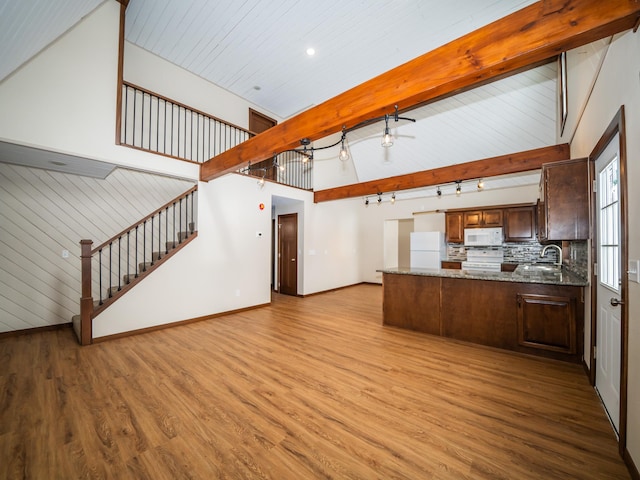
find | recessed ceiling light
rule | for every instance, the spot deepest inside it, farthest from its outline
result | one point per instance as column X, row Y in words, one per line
column 311, row 51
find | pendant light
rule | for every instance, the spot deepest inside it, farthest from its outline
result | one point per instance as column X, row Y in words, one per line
column 387, row 139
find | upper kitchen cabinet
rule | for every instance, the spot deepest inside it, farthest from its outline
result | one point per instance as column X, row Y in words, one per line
column 520, row 224
column 454, row 229
column 483, row 218
column 564, row 200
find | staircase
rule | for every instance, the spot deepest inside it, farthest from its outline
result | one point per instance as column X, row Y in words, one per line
column 117, row 265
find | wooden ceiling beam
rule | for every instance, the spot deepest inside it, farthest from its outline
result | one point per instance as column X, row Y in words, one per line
column 488, row 167
column 529, row 36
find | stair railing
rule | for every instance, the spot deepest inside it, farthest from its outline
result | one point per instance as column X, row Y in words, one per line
column 115, row 266
column 151, row 122
column 160, row 125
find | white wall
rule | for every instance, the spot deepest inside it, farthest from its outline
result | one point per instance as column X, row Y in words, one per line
column 64, row 99
column 405, row 228
column 43, row 213
column 225, row 268
column 619, row 84
column 390, row 243
column 140, row 68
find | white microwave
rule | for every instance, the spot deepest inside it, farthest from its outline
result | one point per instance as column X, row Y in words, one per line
column 483, row 237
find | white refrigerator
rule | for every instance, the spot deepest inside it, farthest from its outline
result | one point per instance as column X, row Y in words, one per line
column 427, row 249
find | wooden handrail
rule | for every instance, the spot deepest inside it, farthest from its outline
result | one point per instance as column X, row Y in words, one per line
column 155, row 212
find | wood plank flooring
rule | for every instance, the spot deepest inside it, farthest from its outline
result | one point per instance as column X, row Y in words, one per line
column 304, row 388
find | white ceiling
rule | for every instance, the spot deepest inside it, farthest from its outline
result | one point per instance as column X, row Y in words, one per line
column 256, row 43
column 256, row 49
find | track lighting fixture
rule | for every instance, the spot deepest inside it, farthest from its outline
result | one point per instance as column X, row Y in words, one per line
column 439, row 192
column 379, row 198
column 366, row 202
column 307, row 150
column 480, row 185
column 393, row 198
column 458, row 188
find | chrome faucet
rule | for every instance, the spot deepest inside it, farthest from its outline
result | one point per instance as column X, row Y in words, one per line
column 547, row 247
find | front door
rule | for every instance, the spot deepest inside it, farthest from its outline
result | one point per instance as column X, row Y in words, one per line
column 609, row 280
column 288, row 254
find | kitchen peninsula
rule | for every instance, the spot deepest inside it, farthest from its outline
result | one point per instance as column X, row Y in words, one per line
column 538, row 313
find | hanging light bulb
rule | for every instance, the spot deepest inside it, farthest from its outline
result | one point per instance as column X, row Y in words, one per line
column 379, row 198
column 393, row 198
column 366, row 202
column 458, row 188
column 480, row 185
column 387, row 139
column 261, row 182
column 344, row 153
column 439, row 192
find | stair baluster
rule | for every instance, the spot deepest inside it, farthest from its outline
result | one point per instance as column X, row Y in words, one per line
column 149, row 261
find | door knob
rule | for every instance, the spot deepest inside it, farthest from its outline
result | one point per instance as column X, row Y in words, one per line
column 615, row 302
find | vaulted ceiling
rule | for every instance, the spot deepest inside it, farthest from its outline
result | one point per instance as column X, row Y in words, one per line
column 257, row 50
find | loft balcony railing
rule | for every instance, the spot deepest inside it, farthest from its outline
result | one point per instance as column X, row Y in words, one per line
column 115, row 266
column 289, row 168
column 157, row 124
column 160, row 125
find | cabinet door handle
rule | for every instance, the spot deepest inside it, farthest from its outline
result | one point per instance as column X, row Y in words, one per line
column 615, row 302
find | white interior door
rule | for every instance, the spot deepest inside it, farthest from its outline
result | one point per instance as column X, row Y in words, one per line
column 609, row 315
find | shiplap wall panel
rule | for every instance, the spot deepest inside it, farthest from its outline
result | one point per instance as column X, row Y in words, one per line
column 43, row 213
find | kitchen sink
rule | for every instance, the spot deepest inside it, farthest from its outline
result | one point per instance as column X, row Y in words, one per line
column 538, row 268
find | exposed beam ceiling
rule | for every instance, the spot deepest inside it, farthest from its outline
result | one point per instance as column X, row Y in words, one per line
column 528, row 37
column 490, row 167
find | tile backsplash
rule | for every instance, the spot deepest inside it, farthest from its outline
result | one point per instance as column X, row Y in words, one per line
column 529, row 252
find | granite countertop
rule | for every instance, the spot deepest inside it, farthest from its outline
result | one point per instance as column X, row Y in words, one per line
column 565, row 277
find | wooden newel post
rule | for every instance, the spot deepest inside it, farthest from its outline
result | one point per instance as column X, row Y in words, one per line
column 86, row 301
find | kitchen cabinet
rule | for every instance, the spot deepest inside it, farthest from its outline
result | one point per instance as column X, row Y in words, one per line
column 412, row 301
column 454, row 229
column 483, row 218
column 542, row 221
column 508, row 267
column 547, row 322
column 520, row 224
column 565, row 200
column 533, row 318
column 451, row 265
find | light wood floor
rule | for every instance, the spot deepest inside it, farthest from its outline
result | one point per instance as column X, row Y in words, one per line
column 306, row 388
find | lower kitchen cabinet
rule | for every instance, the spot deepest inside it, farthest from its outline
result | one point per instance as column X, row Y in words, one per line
column 547, row 322
column 538, row 319
column 412, row 301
